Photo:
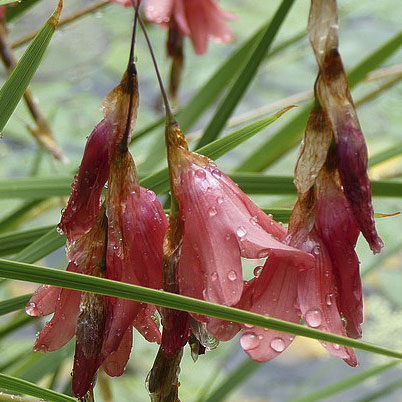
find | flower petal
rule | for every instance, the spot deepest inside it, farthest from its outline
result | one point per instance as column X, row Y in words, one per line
column 61, row 328
column 43, row 302
column 318, row 299
column 116, row 362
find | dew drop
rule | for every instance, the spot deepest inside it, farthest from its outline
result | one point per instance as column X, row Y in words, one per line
column 232, row 276
column 248, row 326
column 216, row 173
column 241, row 231
column 227, row 237
column 316, row 250
column 59, row 231
column 151, row 195
column 219, row 200
column 313, row 318
column 214, row 276
column 257, row 270
column 249, row 341
column 278, row 345
column 336, row 346
column 31, row 309
column 253, row 220
column 212, row 211
column 200, row 174
column 262, row 254
column 328, row 299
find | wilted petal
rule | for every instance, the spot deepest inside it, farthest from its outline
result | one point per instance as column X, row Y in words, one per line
column 337, row 229
column 176, row 327
column 61, row 328
column 313, row 153
column 83, row 205
column 116, row 362
column 43, row 302
column 317, row 296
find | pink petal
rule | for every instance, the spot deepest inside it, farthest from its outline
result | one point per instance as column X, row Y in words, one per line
column 158, row 11
column 84, row 371
column 43, row 302
column 61, row 328
column 272, row 293
column 116, row 362
column 180, row 17
column 145, row 325
column 352, row 164
column 338, row 231
column 83, row 205
column 221, row 224
column 317, row 299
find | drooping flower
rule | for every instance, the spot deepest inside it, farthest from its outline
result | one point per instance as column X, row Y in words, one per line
column 122, row 240
column 198, row 19
column 334, row 97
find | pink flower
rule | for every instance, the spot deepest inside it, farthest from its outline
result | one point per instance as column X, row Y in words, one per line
column 199, row 19
column 121, row 240
column 221, row 225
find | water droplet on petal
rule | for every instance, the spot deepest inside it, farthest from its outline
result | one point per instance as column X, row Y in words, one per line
column 336, row 346
column 257, row 270
column 214, row 276
column 249, row 341
column 31, row 309
column 316, row 250
column 212, row 211
column 249, row 326
column 200, row 173
column 59, row 231
column 241, row 231
column 253, row 220
column 219, row 200
column 313, row 318
column 232, row 276
column 262, row 254
column 151, row 195
column 278, row 344
column 328, row 299
column 227, row 237
column 216, row 173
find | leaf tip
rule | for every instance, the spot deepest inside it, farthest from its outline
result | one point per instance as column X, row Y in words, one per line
column 283, row 111
column 54, row 18
column 377, row 215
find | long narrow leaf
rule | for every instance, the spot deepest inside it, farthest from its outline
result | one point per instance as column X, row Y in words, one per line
column 15, row 86
column 12, row 243
column 290, row 135
column 72, row 280
column 13, row 384
column 22, row 7
column 236, row 93
column 342, row 385
column 46, row 244
column 382, row 392
column 14, row 304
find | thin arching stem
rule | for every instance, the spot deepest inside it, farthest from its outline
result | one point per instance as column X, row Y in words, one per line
column 132, row 73
column 169, row 114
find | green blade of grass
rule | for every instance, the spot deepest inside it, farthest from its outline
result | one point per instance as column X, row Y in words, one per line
column 233, row 380
column 382, row 392
column 19, row 9
column 71, row 280
column 46, row 244
column 14, row 304
column 248, row 72
column 12, row 243
column 389, row 153
column 342, row 385
column 15, row 86
column 289, row 136
column 13, row 384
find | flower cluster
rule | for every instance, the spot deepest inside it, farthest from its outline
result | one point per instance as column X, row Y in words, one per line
column 120, row 240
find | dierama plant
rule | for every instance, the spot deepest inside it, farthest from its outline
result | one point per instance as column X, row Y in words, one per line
column 120, row 240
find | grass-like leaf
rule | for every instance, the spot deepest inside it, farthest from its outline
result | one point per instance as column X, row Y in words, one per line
column 289, row 135
column 71, row 280
column 15, row 86
column 16, row 385
column 382, row 392
column 19, row 9
column 342, row 385
column 389, row 153
column 236, row 93
column 14, row 304
column 46, row 244
column 14, row 242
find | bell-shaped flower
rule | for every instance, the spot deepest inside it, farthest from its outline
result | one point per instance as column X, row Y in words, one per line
column 221, row 225
column 121, row 241
column 199, row 19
